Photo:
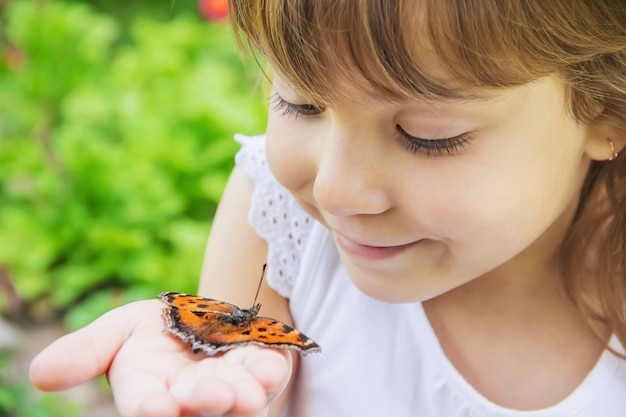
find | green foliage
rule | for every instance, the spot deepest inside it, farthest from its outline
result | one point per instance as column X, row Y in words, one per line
column 18, row 399
column 114, row 154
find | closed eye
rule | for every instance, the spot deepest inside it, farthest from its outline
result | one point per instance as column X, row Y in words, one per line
column 286, row 109
column 433, row 147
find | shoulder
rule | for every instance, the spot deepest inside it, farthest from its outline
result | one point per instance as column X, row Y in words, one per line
column 274, row 215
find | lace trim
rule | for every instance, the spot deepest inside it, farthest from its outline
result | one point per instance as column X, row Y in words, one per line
column 275, row 215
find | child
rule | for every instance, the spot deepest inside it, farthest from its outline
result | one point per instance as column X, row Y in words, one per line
column 440, row 199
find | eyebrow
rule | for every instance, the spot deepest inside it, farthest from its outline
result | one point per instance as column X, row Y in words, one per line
column 465, row 95
column 461, row 95
column 481, row 95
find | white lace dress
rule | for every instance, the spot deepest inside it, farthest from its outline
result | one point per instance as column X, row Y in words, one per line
column 377, row 359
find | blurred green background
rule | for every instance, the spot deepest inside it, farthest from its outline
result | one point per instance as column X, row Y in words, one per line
column 116, row 126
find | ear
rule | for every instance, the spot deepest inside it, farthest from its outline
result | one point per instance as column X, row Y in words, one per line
column 603, row 141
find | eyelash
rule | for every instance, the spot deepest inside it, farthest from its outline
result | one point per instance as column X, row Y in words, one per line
column 433, row 147
column 287, row 109
column 429, row 147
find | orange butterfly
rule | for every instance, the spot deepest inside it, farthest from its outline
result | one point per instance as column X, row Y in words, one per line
column 216, row 326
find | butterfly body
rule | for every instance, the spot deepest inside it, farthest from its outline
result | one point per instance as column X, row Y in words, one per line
column 245, row 316
column 215, row 326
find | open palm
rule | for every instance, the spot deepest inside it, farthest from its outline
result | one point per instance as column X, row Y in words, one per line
column 153, row 374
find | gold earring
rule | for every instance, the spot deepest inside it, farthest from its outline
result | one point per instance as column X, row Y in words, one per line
column 614, row 153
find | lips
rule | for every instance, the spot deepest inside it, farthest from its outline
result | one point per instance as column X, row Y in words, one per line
column 368, row 252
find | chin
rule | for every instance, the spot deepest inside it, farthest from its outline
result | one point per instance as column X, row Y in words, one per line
column 388, row 289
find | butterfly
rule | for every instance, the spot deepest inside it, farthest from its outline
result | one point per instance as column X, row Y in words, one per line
column 215, row 326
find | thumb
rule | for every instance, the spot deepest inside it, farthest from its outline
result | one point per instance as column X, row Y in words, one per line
column 273, row 369
column 86, row 353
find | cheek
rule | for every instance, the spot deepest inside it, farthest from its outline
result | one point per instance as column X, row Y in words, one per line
column 290, row 154
column 487, row 219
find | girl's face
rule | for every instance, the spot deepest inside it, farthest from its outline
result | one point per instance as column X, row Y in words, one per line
column 424, row 197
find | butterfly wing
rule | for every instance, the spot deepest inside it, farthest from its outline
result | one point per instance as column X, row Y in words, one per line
column 196, row 303
column 192, row 318
column 271, row 333
column 215, row 326
column 201, row 330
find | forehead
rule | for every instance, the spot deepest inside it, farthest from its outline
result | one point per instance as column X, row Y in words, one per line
column 346, row 85
column 395, row 50
column 392, row 58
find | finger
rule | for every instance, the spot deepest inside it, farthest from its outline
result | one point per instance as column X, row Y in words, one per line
column 79, row 356
column 141, row 372
column 238, row 382
column 198, row 390
column 272, row 369
column 261, row 370
column 150, row 401
column 140, row 380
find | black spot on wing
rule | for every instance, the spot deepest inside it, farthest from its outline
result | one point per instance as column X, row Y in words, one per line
column 286, row 328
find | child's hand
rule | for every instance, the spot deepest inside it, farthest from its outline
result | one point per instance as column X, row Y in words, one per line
column 153, row 374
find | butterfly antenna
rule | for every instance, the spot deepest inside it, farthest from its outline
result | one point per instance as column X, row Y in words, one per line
column 260, row 282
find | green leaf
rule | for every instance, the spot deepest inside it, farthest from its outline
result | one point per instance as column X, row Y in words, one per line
column 115, row 146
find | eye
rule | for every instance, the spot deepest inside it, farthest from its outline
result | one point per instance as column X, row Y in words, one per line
column 433, row 147
column 279, row 105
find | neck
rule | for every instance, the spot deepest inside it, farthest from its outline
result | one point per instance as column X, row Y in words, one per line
column 515, row 335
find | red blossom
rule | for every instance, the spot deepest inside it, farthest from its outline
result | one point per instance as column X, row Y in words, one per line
column 213, row 9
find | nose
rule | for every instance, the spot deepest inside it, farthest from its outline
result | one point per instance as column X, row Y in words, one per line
column 351, row 176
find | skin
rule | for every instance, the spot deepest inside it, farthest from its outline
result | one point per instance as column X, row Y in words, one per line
column 483, row 226
column 463, row 214
column 473, row 232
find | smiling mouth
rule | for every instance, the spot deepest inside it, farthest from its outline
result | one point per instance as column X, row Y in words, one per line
column 367, row 252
